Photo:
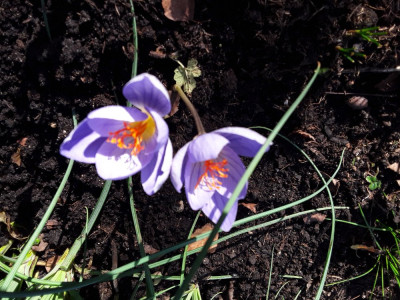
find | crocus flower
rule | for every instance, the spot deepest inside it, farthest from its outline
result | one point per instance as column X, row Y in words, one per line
column 122, row 141
column 210, row 168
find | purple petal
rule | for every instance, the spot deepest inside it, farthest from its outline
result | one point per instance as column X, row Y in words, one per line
column 206, row 147
column 113, row 163
column 157, row 171
column 162, row 132
column 243, row 141
column 235, row 172
column 110, row 118
column 178, row 167
column 213, row 210
column 197, row 197
column 82, row 144
column 146, row 91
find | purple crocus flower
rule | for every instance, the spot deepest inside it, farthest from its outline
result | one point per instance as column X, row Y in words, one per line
column 210, row 168
column 122, row 141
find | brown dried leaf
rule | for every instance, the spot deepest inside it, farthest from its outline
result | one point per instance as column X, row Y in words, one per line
column 41, row 247
column 394, row 167
column 22, row 141
column 305, row 134
column 51, row 262
column 16, row 158
column 314, row 218
column 365, row 248
column 178, row 10
column 250, row 206
column 199, row 244
column 158, row 53
column 51, row 223
column 395, row 196
column 5, row 219
column 149, row 249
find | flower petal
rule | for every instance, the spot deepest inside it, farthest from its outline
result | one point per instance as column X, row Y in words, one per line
column 197, row 197
column 110, row 118
column 243, row 141
column 82, row 144
column 113, row 163
column 235, row 172
column 206, row 146
column 178, row 167
column 213, row 210
column 146, row 91
column 157, row 171
column 162, row 132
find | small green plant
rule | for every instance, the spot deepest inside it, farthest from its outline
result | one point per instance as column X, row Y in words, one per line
column 349, row 53
column 374, row 182
column 387, row 263
column 192, row 293
column 184, row 76
column 368, row 34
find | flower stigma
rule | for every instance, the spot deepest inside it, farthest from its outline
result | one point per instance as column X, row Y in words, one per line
column 213, row 171
column 133, row 134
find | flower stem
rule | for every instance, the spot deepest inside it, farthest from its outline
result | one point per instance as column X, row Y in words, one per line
column 190, row 106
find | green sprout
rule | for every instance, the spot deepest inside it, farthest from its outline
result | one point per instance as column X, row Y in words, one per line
column 192, row 293
column 374, row 183
column 367, row 34
column 387, row 264
column 349, row 53
column 184, row 76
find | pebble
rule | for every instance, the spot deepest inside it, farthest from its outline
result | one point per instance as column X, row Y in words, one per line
column 357, row 102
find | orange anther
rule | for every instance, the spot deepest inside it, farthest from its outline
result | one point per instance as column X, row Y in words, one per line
column 132, row 135
column 213, row 171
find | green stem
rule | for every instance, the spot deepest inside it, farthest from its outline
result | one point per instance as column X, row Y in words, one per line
column 135, row 41
column 190, row 106
column 182, row 277
column 149, row 282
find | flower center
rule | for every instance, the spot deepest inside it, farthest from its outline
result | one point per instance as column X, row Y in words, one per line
column 213, row 171
column 133, row 134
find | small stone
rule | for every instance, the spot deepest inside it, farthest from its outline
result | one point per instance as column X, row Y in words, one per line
column 178, row 207
column 252, row 260
column 357, row 102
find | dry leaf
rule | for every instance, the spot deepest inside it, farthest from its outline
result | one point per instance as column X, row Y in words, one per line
column 41, row 247
column 158, row 53
column 250, row 206
column 51, row 262
column 305, row 134
column 394, row 167
column 16, row 158
column 51, row 223
column 178, row 10
column 365, row 248
column 394, row 197
column 149, row 249
column 4, row 218
column 199, row 244
column 317, row 217
column 22, row 141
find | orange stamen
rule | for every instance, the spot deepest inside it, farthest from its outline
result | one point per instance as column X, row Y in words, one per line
column 213, row 171
column 132, row 135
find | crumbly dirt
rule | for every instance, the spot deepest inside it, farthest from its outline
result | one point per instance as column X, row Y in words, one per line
column 255, row 57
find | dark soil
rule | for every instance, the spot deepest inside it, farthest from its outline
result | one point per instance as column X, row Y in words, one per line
column 255, row 57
